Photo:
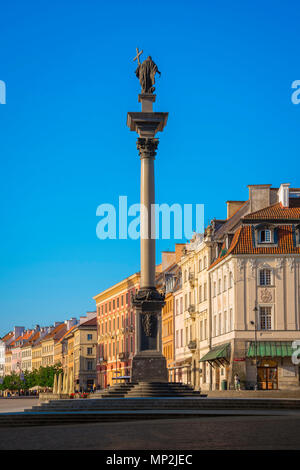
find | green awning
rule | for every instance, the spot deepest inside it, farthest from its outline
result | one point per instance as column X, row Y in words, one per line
column 219, row 352
column 270, row 349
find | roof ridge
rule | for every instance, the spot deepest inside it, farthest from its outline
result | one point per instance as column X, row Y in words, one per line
column 262, row 209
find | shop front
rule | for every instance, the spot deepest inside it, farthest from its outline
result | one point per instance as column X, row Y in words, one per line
column 275, row 370
column 219, row 359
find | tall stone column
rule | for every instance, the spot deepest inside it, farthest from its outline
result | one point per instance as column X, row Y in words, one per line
column 147, row 150
column 148, row 365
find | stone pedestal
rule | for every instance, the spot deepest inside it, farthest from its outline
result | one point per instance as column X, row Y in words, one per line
column 149, row 369
column 148, row 365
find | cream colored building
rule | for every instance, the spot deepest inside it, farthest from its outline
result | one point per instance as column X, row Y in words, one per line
column 36, row 355
column 255, row 284
column 85, row 350
column 51, row 339
column 192, row 312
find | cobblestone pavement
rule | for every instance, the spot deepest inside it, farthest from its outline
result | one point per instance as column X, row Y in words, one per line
column 16, row 404
column 268, row 432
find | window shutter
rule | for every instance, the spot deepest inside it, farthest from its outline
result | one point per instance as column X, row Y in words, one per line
column 275, row 236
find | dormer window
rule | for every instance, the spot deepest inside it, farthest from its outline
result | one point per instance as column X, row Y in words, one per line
column 265, row 236
column 265, row 233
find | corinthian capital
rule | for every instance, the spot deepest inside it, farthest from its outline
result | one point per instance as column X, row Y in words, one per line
column 147, row 147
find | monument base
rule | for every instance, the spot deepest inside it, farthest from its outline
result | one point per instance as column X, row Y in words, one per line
column 149, row 368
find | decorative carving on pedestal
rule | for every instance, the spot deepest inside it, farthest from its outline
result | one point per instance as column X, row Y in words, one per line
column 266, row 295
column 149, row 323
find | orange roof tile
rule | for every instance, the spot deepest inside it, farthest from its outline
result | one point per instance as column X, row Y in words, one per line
column 224, row 253
column 67, row 332
column 90, row 322
column 8, row 336
column 285, row 242
column 32, row 339
column 242, row 243
column 56, row 332
column 276, row 211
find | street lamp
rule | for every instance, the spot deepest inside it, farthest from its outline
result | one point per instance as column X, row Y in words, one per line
column 255, row 310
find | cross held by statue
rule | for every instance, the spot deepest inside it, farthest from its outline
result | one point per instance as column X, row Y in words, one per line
column 137, row 57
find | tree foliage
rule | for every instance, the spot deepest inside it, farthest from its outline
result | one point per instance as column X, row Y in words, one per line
column 44, row 377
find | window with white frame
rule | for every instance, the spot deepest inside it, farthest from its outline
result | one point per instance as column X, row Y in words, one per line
column 265, row 318
column 265, row 277
column 200, row 293
column 225, row 283
column 265, row 236
column 230, row 320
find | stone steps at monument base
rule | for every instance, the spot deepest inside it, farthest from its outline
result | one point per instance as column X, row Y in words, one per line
column 58, row 419
column 133, row 404
column 147, row 389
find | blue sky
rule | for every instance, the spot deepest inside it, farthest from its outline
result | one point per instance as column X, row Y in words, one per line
column 227, row 69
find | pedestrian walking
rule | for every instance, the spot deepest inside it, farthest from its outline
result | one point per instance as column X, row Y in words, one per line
column 237, row 383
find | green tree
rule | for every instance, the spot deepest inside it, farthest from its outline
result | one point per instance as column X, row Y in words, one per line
column 12, row 382
column 45, row 375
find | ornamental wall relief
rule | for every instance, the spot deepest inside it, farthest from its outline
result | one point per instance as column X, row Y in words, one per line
column 240, row 264
column 291, row 263
column 266, row 295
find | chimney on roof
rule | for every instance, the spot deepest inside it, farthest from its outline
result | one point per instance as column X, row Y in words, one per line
column 259, row 196
column 232, row 207
column 179, row 251
column 73, row 321
column 91, row 315
column 18, row 331
column 284, row 194
column 167, row 258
